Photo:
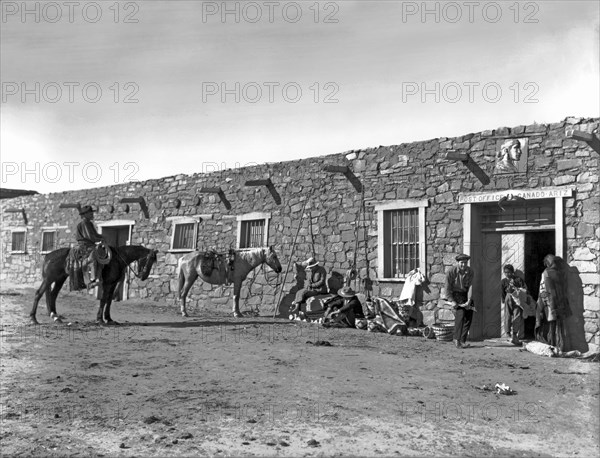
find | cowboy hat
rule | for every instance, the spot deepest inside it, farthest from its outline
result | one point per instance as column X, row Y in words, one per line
column 311, row 262
column 346, row 291
column 86, row 209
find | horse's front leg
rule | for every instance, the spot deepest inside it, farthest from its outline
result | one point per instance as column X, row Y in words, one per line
column 189, row 281
column 237, row 287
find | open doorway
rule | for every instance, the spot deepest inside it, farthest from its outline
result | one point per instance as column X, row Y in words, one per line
column 537, row 245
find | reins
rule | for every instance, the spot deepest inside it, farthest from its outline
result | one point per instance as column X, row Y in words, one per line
column 127, row 264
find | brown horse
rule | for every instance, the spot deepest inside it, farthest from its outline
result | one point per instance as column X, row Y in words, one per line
column 246, row 260
column 53, row 272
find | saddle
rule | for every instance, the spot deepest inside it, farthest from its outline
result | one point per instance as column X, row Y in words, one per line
column 211, row 260
column 77, row 262
column 74, row 268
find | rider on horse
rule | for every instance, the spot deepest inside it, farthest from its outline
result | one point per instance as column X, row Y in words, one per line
column 87, row 237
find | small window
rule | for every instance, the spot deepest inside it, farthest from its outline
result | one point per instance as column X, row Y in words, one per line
column 253, row 233
column 253, row 230
column 400, row 238
column 18, row 242
column 401, row 229
column 48, row 241
column 184, row 236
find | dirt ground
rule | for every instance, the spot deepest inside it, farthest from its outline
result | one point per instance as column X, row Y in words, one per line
column 162, row 385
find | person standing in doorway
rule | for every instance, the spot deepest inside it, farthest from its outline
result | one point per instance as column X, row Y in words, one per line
column 513, row 312
column 553, row 303
column 458, row 290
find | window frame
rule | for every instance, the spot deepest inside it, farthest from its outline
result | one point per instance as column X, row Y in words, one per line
column 23, row 231
column 180, row 220
column 405, row 204
column 45, row 231
column 255, row 216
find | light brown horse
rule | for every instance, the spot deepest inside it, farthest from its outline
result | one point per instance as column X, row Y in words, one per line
column 245, row 261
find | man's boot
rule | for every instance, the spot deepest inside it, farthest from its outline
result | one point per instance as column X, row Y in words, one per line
column 94, row 280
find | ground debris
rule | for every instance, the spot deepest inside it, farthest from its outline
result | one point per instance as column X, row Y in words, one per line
column 313, row 443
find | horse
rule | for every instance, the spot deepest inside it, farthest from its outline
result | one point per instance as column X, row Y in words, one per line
column 54, row 272
column 245, row 261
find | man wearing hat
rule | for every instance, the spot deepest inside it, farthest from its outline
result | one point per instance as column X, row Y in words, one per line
column 87, row 237
column 344, row 310
column 458, row 290
column 316, row 277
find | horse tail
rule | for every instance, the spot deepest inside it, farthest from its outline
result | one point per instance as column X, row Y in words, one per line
column 181, row 276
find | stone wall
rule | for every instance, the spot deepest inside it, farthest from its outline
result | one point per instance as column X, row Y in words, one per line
column 416, row 170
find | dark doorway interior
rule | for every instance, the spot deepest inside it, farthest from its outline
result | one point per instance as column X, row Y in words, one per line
column 537, row 245
column 116, row 235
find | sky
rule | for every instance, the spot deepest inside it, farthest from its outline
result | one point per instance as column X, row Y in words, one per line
column 101, row 93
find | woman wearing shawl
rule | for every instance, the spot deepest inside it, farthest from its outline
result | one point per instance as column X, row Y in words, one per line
column 553, row 306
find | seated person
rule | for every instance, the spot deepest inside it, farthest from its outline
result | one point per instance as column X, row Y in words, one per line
column 342, row 311
column 316, row 277
column 87, row 238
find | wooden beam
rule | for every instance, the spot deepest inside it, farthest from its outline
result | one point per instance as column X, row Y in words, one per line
column 137, row 200
column 220, row 193
column 266, row 182
column 77, row 206
column 17, row 210
column 344, row 169
column 336, row 169
column 210, row 190
column 477, row 171
column 456, row 156
column 270, row 186
column 466, row 159
column 591, row 139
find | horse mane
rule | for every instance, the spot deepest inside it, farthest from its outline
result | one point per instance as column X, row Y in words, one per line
column 247, row 254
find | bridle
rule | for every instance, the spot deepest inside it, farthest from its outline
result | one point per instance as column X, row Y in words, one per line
column 145, row 259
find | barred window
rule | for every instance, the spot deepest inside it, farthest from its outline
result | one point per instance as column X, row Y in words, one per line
column 184, row 236
column 253, row 233
column 402, row 250
column 401, row 237
column 48, row 241
column 18, row 242
column 253, row 230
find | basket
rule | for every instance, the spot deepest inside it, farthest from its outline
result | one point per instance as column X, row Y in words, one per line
column 443, row 331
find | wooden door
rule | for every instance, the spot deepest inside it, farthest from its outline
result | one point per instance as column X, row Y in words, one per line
column 491, row 275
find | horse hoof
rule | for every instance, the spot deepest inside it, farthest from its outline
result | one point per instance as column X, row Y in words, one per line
column 184, row 314
column 33, row 320
column 238, row 315
column 111, row 323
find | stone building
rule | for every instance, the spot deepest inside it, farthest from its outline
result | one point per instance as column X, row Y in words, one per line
column 424, row 202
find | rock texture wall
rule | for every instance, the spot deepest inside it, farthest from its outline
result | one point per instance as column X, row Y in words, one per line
column 407, row 171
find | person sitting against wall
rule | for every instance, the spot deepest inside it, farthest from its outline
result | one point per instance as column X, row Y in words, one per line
column 343, row 310
column 316, row 276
